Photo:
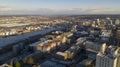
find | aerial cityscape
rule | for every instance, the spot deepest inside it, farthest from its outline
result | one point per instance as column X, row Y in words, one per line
column 59, row 33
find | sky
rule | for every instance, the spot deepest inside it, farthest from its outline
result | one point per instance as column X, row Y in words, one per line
column 59, row 7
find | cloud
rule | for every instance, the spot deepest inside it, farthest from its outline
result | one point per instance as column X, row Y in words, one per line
column 7, row 10
column 103, row 11
column 42, row 11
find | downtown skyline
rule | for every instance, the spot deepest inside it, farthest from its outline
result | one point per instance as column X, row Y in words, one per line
column 58, row 7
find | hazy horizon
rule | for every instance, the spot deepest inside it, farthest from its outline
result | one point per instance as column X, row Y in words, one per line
column 59, row 7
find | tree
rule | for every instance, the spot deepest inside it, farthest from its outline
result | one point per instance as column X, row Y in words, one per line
column 17, row 64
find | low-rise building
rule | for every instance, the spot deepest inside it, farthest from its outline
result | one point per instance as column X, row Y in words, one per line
column 51, row 64
column 86, row 63
column 61, row 55
column 93, row 46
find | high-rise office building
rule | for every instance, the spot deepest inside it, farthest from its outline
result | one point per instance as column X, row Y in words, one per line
column 118, row 37
column 117, row 22
column 109, row 56
column 98, row 21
